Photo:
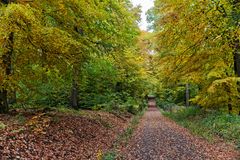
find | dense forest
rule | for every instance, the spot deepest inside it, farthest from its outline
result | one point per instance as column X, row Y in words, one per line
column 90, row 58
column 82, row 54
column 85, row 57
column 197, row 45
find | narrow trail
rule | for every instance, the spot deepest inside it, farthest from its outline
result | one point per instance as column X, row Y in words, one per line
column 159, row 138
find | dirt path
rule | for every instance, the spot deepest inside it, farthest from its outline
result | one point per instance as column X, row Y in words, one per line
column 159, row 138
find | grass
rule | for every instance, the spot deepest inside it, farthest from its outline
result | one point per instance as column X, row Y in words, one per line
column 209, row 124
column 66, row 110
column 112, row 155
column 123, row 138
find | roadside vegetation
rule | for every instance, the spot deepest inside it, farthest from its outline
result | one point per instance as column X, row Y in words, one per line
column 211, row 125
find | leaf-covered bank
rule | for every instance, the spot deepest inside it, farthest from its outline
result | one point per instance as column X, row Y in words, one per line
column 59, row 134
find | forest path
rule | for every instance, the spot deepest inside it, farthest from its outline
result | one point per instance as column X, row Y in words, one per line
column 159, row 138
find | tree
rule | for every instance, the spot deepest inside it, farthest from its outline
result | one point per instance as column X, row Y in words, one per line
column 52, row 37
column 196, row 41
column 7, row 67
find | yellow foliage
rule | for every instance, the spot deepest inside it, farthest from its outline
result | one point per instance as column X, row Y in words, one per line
column 194, row 44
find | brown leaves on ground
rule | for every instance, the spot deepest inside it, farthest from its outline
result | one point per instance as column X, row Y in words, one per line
column 59, row 136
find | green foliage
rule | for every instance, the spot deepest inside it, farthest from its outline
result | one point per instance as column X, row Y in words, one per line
column 172, row 96
column 209, row 124
column 119, row 103
column 184, row 114
column 225, row 91
column 166, row 105
column 66, row 110
column 109, row 156
column 54, row 47
column 38, row 93
column 2, row 125
column 197, row 42
column 21, row 119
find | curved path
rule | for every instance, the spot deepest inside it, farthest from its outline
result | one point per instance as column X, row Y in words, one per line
column 159, row 138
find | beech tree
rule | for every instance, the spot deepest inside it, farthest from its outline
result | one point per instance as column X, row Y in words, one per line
column 39, row 38
column 198, row 43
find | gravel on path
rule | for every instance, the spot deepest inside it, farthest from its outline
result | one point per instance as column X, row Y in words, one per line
column 159, row 138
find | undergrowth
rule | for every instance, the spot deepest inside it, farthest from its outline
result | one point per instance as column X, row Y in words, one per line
column 2, row 125
column 208, row 124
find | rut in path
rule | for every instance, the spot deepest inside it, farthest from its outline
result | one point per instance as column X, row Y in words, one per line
column 159, row 138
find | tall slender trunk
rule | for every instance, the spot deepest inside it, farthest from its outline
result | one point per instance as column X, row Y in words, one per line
column 12, row 97
column 236, row 45
column 74, row 92
column 3, row 101
column 7, row 63
column 43, row 57
column 236, row 56
column 187, row 95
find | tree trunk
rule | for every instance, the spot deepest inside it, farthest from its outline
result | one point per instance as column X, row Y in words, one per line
column 74, row 92
column 236, row 47
column 236, row 58
column 236, row 66
column 44, row 64
column 3, row 102
column 187, row 95
column 7, row 63
column 12, row 97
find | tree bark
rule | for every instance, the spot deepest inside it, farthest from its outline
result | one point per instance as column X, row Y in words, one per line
column 3, row 102
column 236, row 48
column 7, row 63
column 236, row 58
column 44, row 64
column 187, row 95
column 12, row 97
column 8, row 68
column 74, row 92
column 236, row 55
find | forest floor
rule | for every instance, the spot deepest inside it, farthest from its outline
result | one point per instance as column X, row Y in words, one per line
column 159, row 138
column 59, row 135
column 87, row 135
